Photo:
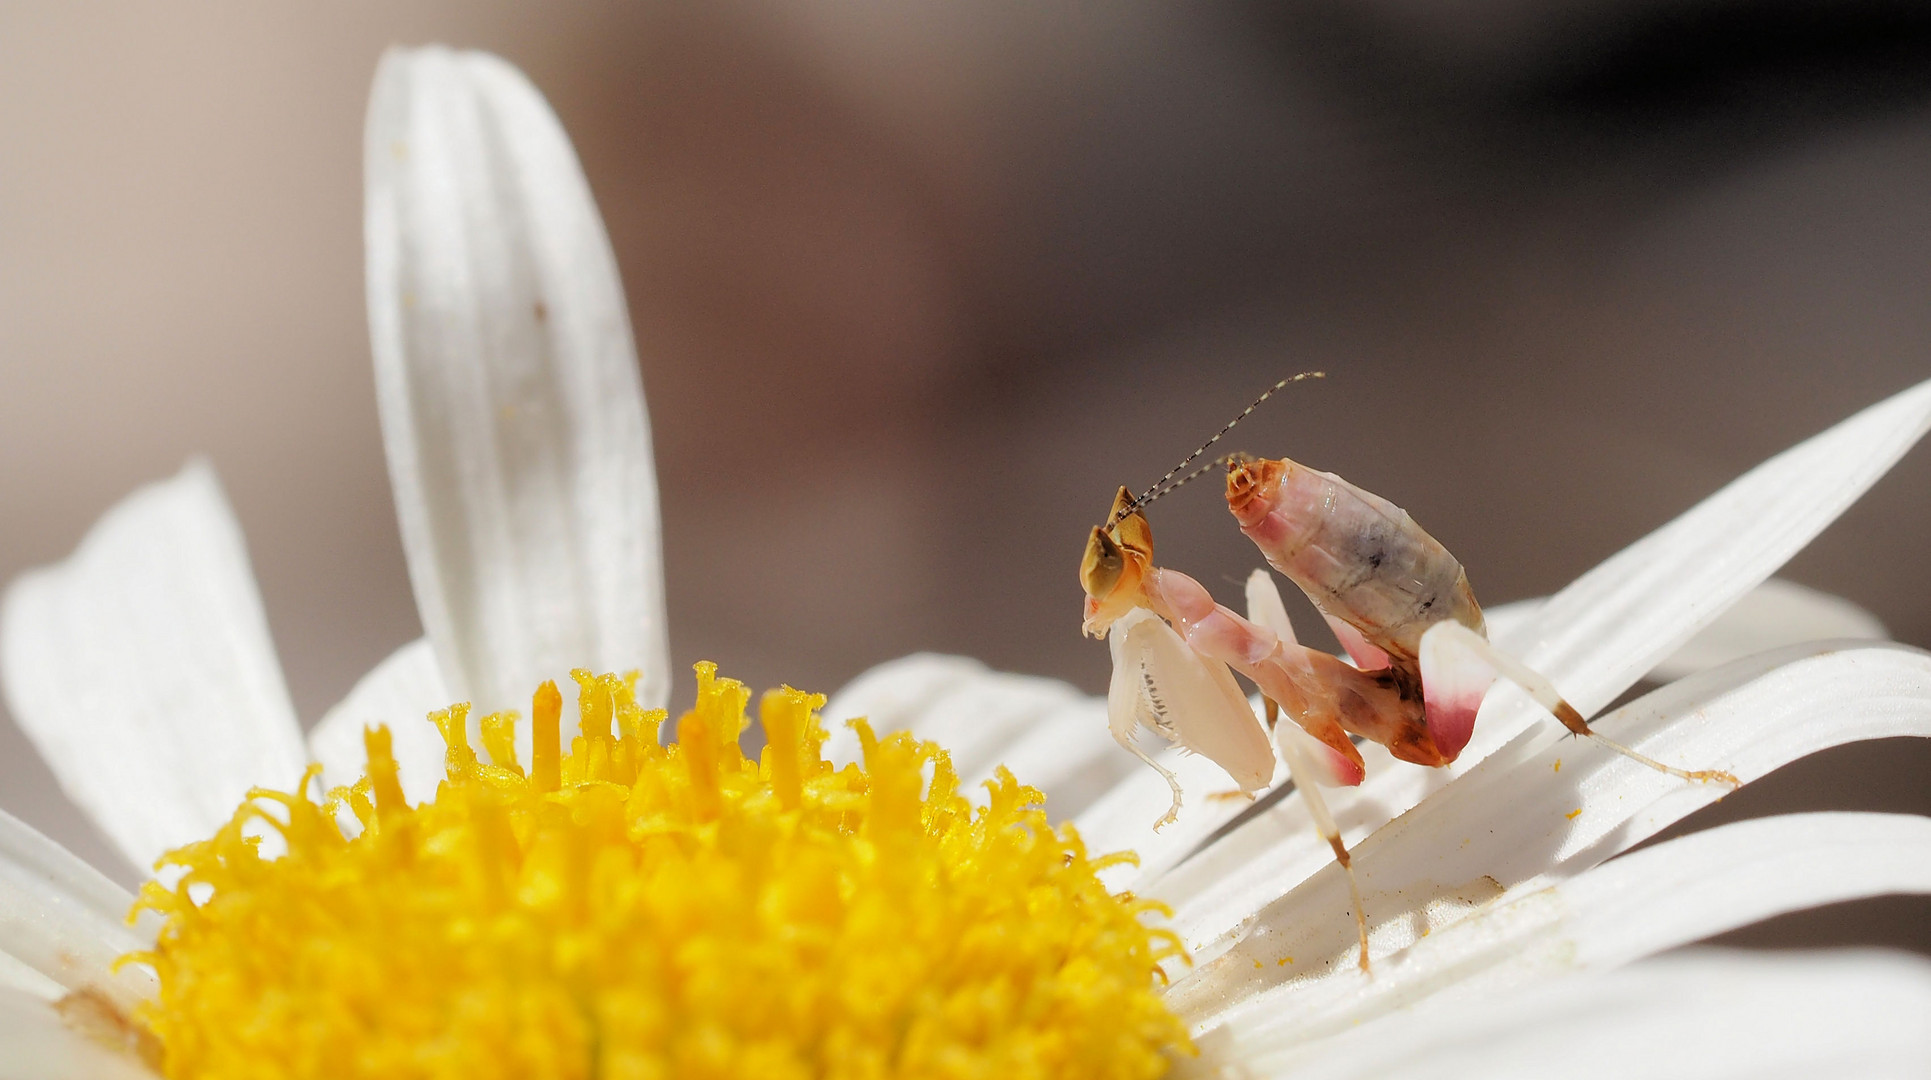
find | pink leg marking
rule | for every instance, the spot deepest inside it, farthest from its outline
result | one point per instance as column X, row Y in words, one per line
column 1454, row 680
column 1365, row 656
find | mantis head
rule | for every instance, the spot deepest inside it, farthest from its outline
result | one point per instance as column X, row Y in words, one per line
column 1113, row 568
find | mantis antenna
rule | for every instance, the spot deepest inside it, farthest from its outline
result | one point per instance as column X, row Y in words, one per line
column 1161, row 487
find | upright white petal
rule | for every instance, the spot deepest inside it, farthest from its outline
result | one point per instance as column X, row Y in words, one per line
column 37, row 1044
column 142, row 669
column 1708, row 1015
column 512, row 410
column 1535, row 813
column 1657, row 899
column 401, row 692
column 61, row 918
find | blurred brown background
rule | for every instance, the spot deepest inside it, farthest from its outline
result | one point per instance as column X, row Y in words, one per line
column 916, row 285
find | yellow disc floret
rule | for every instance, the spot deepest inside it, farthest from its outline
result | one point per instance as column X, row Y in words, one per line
column 630, row 910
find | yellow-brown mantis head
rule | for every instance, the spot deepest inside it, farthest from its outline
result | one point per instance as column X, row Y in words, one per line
column 1119, row 554
column 1113, row 568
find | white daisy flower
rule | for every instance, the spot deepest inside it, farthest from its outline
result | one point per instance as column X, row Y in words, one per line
column 814, row 920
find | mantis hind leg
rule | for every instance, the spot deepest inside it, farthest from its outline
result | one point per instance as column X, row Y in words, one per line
column 1457, row 667
column 1293, row 744
column 1303, row 753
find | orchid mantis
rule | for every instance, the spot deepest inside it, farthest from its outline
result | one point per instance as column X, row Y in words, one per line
column 1399, row 603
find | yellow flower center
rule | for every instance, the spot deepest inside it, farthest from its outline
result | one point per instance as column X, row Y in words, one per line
column 631, row 910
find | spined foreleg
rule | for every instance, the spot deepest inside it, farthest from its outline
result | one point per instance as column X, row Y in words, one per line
column 1264, row 650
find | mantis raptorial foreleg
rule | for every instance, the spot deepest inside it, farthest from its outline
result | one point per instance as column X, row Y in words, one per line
column 1160, row 682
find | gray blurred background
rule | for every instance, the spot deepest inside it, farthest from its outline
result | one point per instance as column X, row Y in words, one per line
column 917, row 285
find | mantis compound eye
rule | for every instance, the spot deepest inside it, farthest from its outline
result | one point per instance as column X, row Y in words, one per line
column 1100, row 566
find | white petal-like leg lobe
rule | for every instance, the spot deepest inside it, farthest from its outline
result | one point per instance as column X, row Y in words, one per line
column 1264, row 606
column 1131, row 705
column 1706, row 1015
column 36, row 1044
column 61, row 918
column 1657, row 899
column 401, row 692
column 1454, row 679
column 1149, row 661
column 1191, row 700
column 512, row 410
column 142, row 670
column 1534, row 812
column 1320, row 761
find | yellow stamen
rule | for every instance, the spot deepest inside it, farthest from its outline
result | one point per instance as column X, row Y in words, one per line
column 384, row 776
column 634, row 910
column 546, row 711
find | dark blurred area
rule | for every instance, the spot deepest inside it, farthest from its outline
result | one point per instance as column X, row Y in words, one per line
column 917, row 286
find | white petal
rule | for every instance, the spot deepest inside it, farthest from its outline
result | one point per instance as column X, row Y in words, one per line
column 1068, row 755
column 1706, row 1015
column 895, row 696
column 1047, row 732
column 1653, row 900
column 61, row 918
column 512, row 410
column 17, row 976
column 142, row 669
column 971, row 711
column 1214, row 891
column 1517, row 821
column 1596, row 637
column 1506, row 621
column 35, row 1044
column 1123, row 818
column 1774, row 614
column 1611, row 626
column 401, row 692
